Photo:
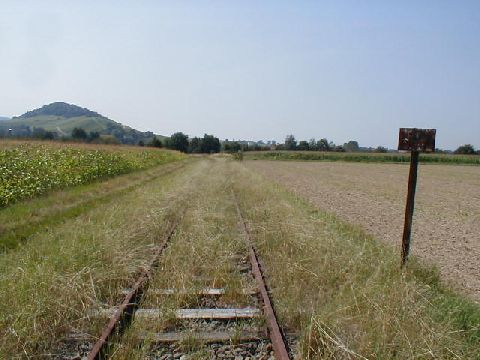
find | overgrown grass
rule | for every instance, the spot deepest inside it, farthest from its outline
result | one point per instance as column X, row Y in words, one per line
column 23, row 219
column 339, row 288
column 50, row 284
column 204, row 252
column 344, row 291
column 31, row 168
column 363, row 157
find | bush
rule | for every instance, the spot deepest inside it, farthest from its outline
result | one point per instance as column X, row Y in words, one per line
column 178, row 141
column 79, row 134
column 465, row 150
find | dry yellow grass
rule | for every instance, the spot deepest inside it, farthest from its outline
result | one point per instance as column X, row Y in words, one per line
column 49, row 284
column 338, row 288
column 204, row 252
column 343, row 290
column 446, row 228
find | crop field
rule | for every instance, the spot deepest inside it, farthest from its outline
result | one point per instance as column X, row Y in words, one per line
column 30, row 169
column 337, row 288
column 446, row 228
column 362, row 157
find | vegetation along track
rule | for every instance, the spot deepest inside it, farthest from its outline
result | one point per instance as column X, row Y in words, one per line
column 20, row 221
column 245, row 341
column 220, row 325
column 338, row 290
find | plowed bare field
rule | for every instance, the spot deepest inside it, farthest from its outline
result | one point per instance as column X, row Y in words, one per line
column 446, row 229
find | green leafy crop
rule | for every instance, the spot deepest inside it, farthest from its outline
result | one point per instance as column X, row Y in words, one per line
column 30, row 169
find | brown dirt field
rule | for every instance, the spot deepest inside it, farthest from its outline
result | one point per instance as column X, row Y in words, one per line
column 446, row 228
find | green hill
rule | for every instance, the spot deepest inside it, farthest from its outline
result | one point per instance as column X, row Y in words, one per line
column 61, row 118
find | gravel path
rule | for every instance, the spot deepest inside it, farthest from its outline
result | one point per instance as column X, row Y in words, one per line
column 446, row 228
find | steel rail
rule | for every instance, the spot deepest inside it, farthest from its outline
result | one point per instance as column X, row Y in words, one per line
column 123, row 315
column 275, row 334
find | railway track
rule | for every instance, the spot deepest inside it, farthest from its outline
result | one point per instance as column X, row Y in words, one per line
column 225, row 332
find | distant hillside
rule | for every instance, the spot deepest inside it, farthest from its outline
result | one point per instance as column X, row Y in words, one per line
column 60, row 109
column 4, row 118
column 61, row 118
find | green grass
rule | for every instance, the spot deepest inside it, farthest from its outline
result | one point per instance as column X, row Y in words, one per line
column 362, row 157
column 29, row 169
column 63, row 126
column 66, row 125
column 24, row 219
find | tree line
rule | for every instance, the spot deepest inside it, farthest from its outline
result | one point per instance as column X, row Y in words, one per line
column 209, row 144
column 352, row 146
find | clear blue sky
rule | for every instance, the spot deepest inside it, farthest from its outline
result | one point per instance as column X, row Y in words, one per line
column 345, row 70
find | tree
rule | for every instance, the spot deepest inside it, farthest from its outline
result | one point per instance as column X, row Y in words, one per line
column 351, row 146
column 231, row 146
column 178, row 141
column 156, row 142
column 323, row 145
column 290, row 142
column 466, row 149
column 195, row 145
column 381, row 149
column 49, row 135
column 210, row 144
column 303, row 145
column 312, row 144
column 93, row 135
column 79, row 134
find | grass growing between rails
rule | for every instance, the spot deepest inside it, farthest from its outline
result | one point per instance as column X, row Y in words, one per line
column 31, row 168
column 50, row 284
column 203, row 253
column 344, row 292
column 362, row 157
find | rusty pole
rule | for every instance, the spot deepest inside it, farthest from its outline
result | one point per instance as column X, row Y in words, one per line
column 412, row 184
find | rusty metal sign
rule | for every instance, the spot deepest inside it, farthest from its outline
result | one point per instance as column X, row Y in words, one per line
column 422, row 140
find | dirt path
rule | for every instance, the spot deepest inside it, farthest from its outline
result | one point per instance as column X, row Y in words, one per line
column 447, row 215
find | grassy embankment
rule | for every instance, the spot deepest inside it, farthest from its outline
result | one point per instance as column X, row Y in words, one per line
column 343, row 290
column 362, row 157
column 81, row 263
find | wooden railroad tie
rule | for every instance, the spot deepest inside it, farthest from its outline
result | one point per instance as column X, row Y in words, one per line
column 218, row 314
column 201, row 292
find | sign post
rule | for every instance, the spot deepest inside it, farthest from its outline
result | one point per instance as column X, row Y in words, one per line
column 415, row 141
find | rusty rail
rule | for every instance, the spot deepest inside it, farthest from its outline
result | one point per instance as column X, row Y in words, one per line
column 123, row 316
column 276, row 336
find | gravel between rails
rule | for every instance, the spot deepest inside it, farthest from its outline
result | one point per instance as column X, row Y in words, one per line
column 446, row 229
column 255, row 350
